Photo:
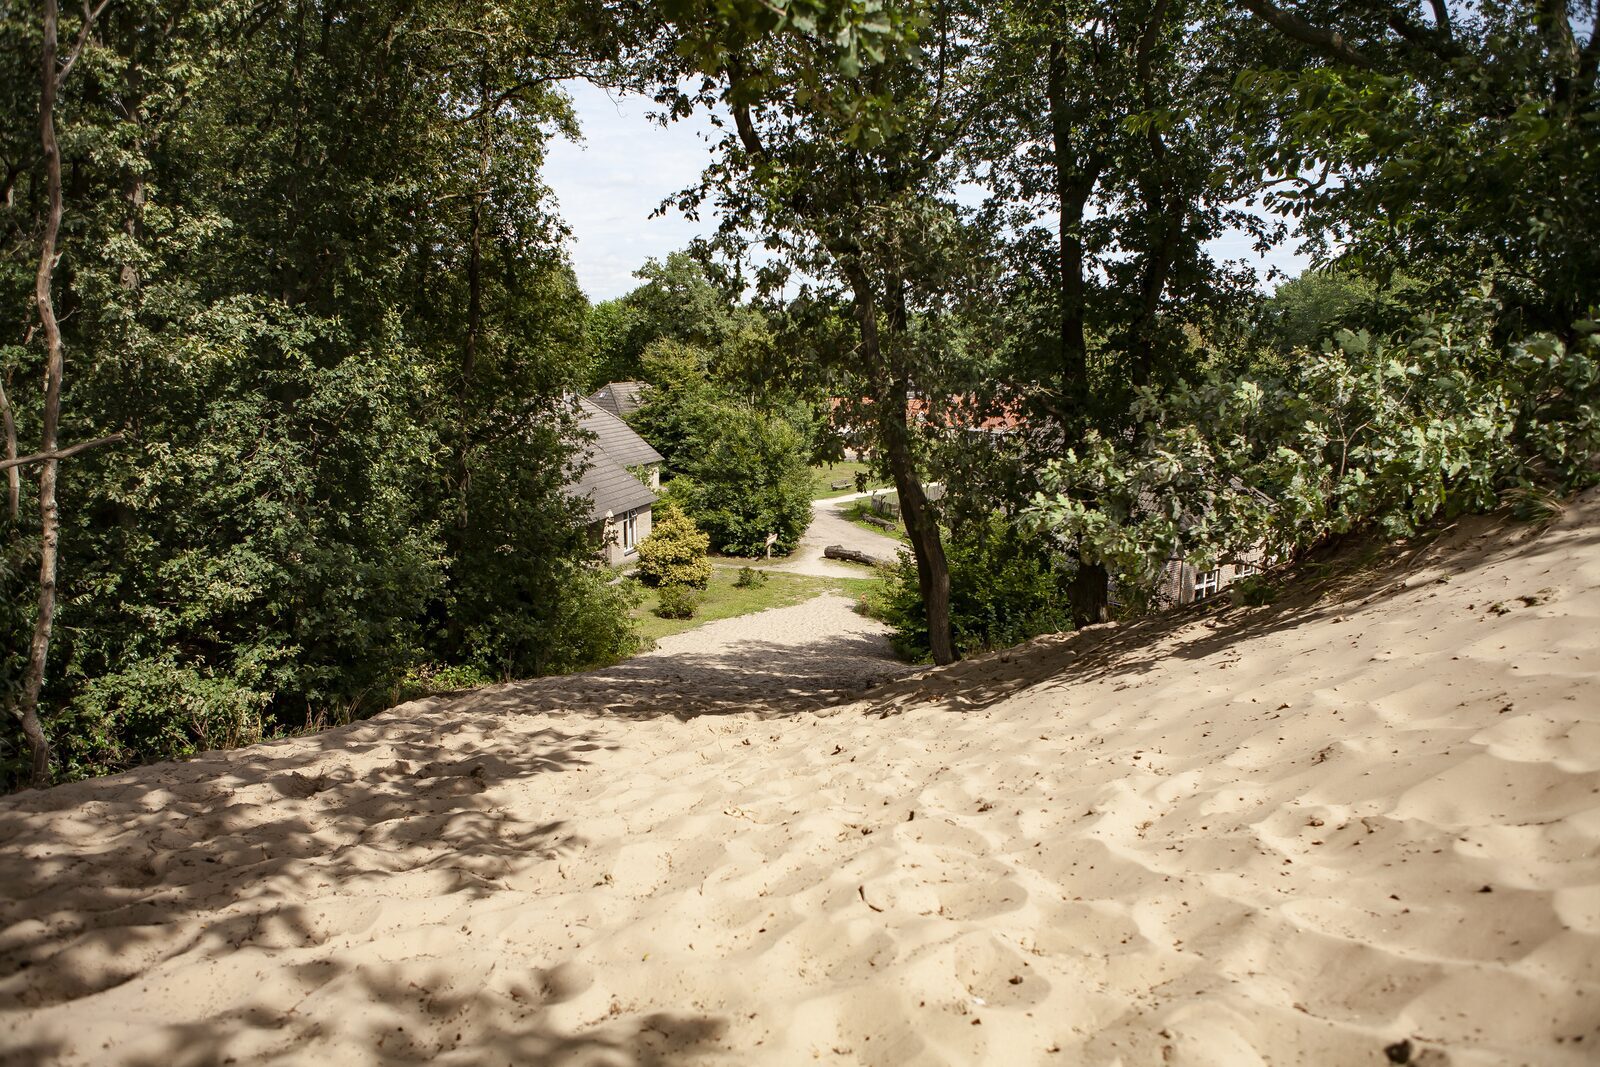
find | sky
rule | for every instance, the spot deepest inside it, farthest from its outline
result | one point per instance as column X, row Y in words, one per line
column 609, row 184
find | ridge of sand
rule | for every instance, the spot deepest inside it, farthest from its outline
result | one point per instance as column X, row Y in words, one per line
column 1293, row 834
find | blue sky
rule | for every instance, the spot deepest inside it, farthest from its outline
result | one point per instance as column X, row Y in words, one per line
column 609, row 184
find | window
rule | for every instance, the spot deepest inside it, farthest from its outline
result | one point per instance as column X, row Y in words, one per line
column 1244, row 570
column 630, row 533
column 1207, row 583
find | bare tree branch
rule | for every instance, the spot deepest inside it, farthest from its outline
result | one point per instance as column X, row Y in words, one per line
column 1331, row 43
column 12, row 463
column 90, row 17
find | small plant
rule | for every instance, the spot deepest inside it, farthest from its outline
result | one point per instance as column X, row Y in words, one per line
column 677, row 601
column 675, row 551
column 1533, row 503
column 749, row 578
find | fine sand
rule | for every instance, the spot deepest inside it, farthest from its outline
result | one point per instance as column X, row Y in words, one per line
column 1364, row 818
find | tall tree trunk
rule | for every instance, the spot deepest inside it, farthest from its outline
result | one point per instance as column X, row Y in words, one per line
column 894, row 432
column 922, row 527
column 13, row 474
column 1074, row 181
column 49, row 512
column 1089, row 593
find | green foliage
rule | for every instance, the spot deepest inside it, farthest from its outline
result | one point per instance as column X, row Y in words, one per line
column 326, row 301
column 156, row 709
column 1007, row 584
column 1453, row 160
column 1389, row 434
column 739, row 471
column 675, row 552
column 674, row 601
column 751, row 480
column 750, row 578
column 679, row 314
column 1305, row 311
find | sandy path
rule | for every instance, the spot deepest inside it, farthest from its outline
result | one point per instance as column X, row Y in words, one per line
column 1288, row 835
column 830, row 527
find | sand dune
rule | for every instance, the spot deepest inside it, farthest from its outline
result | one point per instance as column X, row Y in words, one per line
column 1299, row 834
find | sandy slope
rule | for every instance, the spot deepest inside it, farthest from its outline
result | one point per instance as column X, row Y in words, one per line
column 1284, row 835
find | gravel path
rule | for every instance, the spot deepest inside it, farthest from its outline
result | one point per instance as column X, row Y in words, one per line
column 777, row 661
column 830, row 527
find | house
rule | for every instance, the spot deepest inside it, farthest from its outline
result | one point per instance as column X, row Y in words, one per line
column 1182, row 583
column 619, row 398
column 618, row 484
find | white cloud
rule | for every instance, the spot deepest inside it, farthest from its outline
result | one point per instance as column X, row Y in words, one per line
column 609, row 185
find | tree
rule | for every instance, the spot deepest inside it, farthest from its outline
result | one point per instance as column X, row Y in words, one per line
column 52, row 75
column 840, row 156
column 1456, row 145
column 678, row 303
column 1111, row 159
column 740, row 471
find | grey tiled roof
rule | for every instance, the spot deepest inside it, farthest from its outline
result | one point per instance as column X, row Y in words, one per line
column 619, row 398
column 614, row 437
column 608, row 487
column 606, row 484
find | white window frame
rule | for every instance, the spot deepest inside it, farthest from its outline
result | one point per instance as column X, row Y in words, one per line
column 1207, row 583
column 630, row 532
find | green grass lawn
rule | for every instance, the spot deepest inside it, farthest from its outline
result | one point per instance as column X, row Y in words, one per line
column 823, row 477
column 724, row 600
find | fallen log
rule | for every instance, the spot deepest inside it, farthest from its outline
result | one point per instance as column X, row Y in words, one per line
column 878, row 520
column 851, row 555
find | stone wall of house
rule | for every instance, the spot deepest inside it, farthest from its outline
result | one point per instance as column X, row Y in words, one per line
column 1179, row 581
column 608, row 538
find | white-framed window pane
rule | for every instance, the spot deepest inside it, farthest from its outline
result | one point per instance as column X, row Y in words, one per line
column 1206, row 583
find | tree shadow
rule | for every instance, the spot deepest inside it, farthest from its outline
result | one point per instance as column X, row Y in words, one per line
column 1338, row 581
column 404, row 1014
column 751, row 677
column 102, row 878
column 104, row 881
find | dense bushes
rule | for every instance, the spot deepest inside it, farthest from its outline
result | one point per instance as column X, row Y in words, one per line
column 1385, row 433
column 675, row 552
column 1006, row 585
column 677, row 602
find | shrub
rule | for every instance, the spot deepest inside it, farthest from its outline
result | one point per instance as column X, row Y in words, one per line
column 677, row 601
column 749, row 578
column 1253, row 591
column 1370, row 433
column 1006, row 585
column 582, row 622
column 739, row 472
column 675, row 551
